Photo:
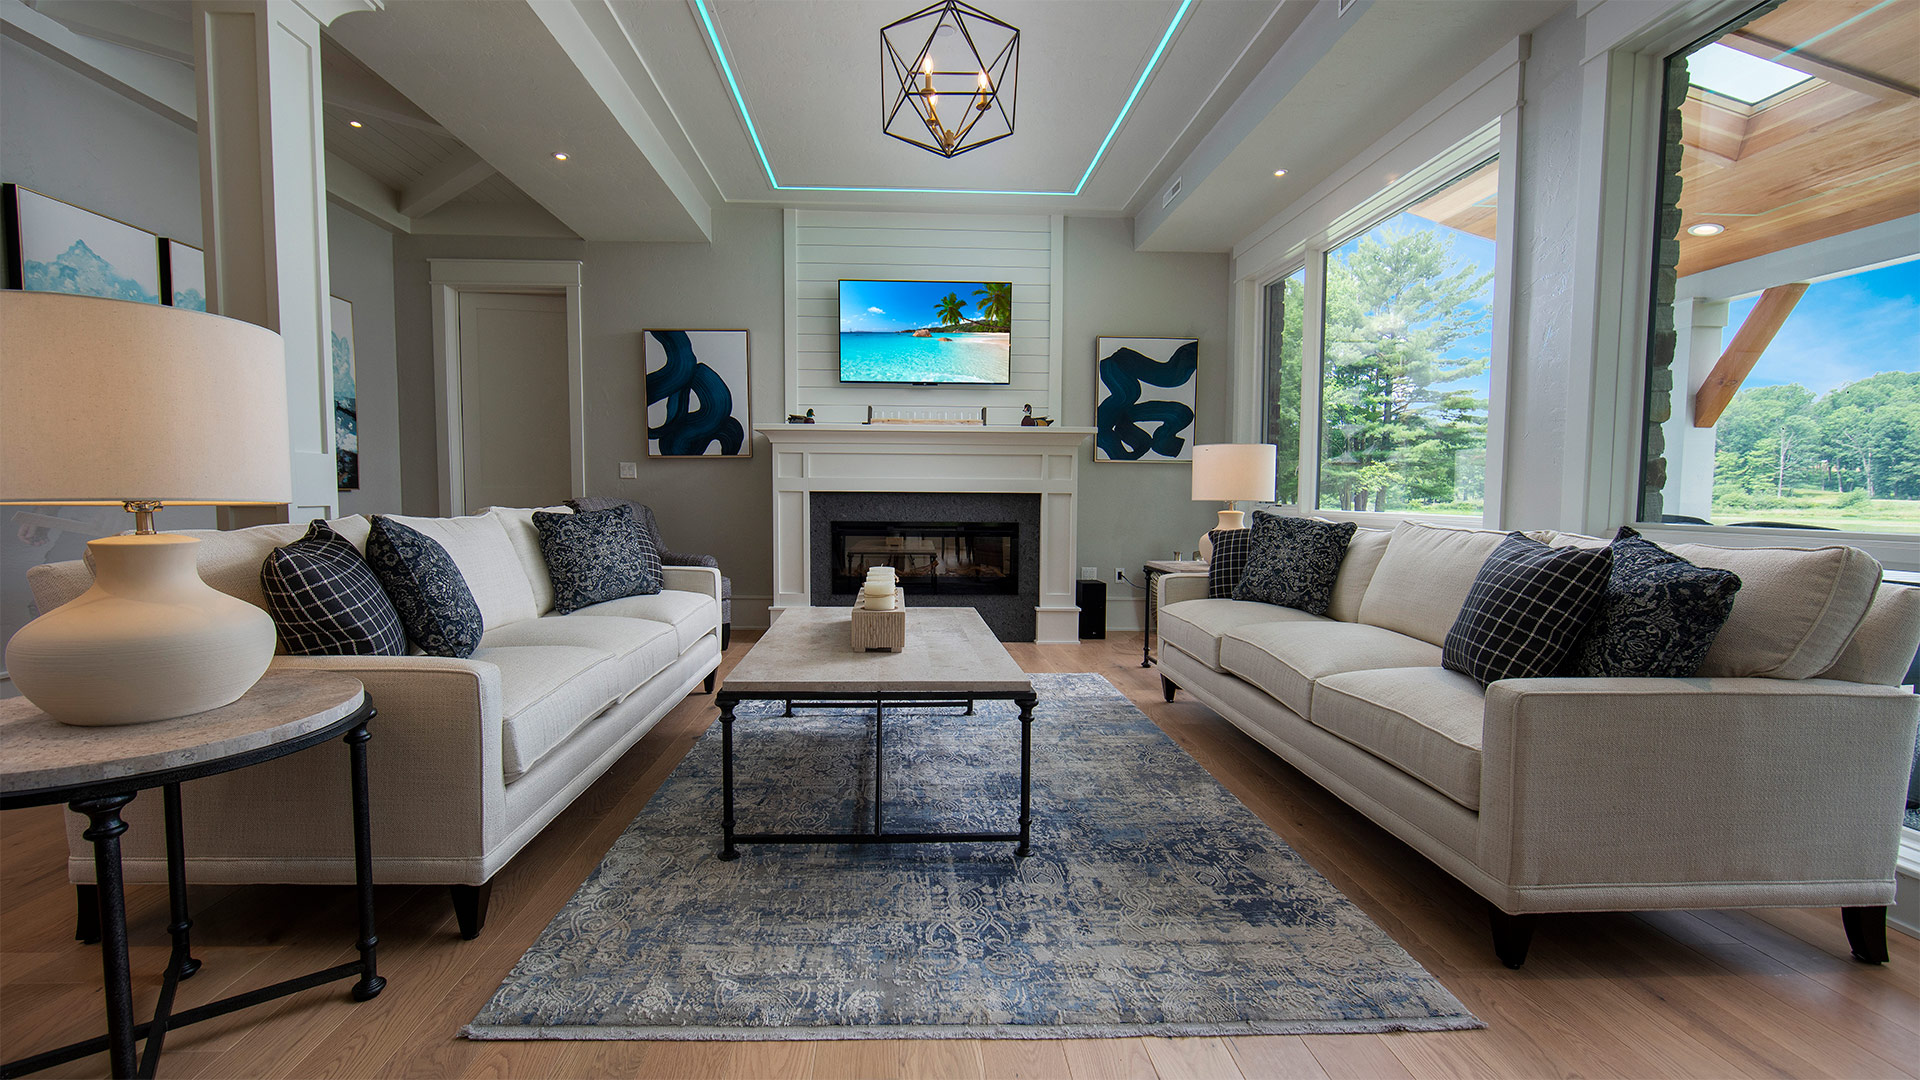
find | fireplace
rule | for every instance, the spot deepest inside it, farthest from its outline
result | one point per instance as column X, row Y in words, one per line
column 961, row 558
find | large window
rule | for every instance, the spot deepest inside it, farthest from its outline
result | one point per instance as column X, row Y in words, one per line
column 1784, row 350
column 1404, row 314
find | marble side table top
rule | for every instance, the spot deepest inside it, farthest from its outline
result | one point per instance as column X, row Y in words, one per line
column 809, row 651
column 38, row 753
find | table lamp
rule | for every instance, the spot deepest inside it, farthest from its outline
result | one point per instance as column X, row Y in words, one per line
column 1230, row 472
column 108, row 402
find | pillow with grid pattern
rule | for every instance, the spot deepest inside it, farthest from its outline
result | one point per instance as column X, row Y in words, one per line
column 1228, row 561
column 1294, row 561
column 1526, row 610
column 597, row 555
column 326, row 602
column 431, row 594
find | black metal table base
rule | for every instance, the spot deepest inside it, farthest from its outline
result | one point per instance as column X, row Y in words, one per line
column 104, row 829
column 730, row 838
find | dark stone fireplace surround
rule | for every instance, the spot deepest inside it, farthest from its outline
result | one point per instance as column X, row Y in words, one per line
column 1010, row 616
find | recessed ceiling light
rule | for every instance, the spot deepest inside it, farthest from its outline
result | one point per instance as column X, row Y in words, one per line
column 559, row 155
column 1706, row 228
column 355, row 124
column 1279, row 172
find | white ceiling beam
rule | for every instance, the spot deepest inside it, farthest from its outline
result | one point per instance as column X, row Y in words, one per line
column 444, row 183
column 471, row 219
column 161, row 85
column 395, row 112
column 350, row 187
column 162, row 32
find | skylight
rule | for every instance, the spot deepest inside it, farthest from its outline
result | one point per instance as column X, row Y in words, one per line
column 1732, row 73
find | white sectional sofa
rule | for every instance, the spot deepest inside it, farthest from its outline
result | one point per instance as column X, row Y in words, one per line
column 470, row 758
column 1775, row 778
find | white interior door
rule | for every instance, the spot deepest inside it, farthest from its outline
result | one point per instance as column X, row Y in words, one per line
column 513, row 400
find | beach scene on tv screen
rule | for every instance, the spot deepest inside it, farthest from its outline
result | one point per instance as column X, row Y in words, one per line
column 926, row 331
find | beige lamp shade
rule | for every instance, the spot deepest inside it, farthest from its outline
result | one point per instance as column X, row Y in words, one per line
column 109, row 400
column 1234, row 471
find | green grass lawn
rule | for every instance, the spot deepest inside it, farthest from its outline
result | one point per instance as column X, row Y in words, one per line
column 1817, row 508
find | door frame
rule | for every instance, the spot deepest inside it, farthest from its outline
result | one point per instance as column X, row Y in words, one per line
column 446, row 280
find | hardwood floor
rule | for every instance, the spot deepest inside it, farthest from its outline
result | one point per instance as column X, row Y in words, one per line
column 1710, row 993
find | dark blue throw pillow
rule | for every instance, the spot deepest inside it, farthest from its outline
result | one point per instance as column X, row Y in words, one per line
column 1660, row 615
column 1526, row 610
column 1294, row 561
column 428, row 590
column 597, row 556
column 325, row 601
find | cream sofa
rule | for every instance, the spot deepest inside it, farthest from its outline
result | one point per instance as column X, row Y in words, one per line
column 1774, row 779
column 470, row 758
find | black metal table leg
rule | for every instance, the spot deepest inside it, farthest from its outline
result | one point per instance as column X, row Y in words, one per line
column 370, row 983
column 727, row 851
column 180, row 925
column 1146, row 637
column 1026, row 776
column 103, row 829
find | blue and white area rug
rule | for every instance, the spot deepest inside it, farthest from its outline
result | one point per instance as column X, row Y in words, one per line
column 1154, row 903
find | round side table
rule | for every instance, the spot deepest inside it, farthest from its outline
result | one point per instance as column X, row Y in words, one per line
column 98, row 770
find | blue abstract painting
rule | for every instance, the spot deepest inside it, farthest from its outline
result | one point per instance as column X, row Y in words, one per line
column 65, row 249
column 697, row 393
column 1146, row 395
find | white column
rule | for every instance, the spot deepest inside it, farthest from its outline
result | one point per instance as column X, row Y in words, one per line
column 1701, row 327
column 264, row 214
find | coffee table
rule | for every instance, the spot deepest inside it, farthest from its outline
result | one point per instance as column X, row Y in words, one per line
column 807, row 660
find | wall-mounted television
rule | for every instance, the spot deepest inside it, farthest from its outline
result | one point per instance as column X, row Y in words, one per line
column 926, row 332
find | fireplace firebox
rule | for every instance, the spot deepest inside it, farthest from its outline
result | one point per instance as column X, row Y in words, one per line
column 957, row 558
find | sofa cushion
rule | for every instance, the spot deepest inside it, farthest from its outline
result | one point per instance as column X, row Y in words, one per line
column 1227, row 562
column 1528, row 608
column 1424, row 721
column 597, row 555
column 1284, row 659
column 1364, row 552
column 616, row 637
column 427, row 589
column 479, row 546
column 326, row 602
column 1882, row 650
column 1423, row 578
column 229, row 560
column 1796, row 611
column 691, row 615
column 1195, row 626
column 518, row 522
column 1659, row 616
column 1294, row 561
column 548, row 692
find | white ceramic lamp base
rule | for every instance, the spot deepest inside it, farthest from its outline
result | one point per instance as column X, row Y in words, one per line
column 1229, row 519
column 149, row 640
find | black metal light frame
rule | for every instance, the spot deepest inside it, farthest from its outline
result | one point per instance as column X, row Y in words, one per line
column 909, row 91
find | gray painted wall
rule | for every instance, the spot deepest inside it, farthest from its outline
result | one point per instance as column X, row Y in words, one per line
column 360, row 271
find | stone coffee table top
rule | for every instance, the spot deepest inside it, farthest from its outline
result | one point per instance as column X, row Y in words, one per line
column 809, row 651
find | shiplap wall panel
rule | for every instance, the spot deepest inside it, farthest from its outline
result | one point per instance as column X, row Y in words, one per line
column 829, row 245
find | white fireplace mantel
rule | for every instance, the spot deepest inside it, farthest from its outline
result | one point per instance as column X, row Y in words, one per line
column 1043, row 461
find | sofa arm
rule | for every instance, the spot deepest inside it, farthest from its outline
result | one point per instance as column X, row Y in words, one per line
column 1177, row 587
column 683, row 558
column 1693, row 782
column 697, row 579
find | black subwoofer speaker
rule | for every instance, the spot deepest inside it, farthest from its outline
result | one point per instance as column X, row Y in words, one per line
column 1092, row 598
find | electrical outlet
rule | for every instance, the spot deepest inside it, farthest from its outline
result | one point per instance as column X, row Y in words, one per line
column 1119, row 573
column 1089, row 573
column 629, row 470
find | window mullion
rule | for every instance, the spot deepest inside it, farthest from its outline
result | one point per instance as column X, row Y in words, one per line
column 1312, row 337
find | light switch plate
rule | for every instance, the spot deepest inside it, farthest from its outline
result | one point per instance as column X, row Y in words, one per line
column 629, row 470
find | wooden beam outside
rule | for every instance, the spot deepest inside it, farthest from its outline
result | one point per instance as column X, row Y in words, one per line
column 1861, row 82
column 1752, row 339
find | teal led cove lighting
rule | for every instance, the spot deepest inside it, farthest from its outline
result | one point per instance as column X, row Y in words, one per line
column 740, row 103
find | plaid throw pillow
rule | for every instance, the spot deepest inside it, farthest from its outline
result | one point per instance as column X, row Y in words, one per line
column 325, row 601
column 1526, row 610
column 1229, row 560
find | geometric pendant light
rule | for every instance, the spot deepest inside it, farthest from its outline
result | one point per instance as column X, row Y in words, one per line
column 948, row 74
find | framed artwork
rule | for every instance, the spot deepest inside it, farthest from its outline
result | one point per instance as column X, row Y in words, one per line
column 697, row 393
column 183, row 275
column 54, row 246
column 346, row 397
column 1145, row 398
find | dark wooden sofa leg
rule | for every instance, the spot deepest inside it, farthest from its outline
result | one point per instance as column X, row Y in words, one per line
column 1167, row 688
column 1866, row 933
column 712, row 676
column 470, row 907
column 1511, row 936
column 86, row 914
column 726, row 635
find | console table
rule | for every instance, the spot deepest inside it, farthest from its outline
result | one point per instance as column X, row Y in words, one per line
column 1154, row 568
column 98, row 770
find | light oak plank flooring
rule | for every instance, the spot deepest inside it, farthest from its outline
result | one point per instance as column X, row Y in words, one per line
column 1712, row 993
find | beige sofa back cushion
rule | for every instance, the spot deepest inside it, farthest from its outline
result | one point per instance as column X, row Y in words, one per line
column 1795, row 612
column 1882, row 649
column 1423, row 578
column 1364, row 552
column 480, row 547
column 518, row 521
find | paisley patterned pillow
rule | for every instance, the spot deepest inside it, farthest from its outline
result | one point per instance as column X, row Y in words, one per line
column 596, row 556
column 1294, row 562
column 1660, row 614
column 428, row 590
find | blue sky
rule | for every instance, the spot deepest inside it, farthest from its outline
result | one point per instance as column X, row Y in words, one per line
column 887, row 306
column 1842, row 331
